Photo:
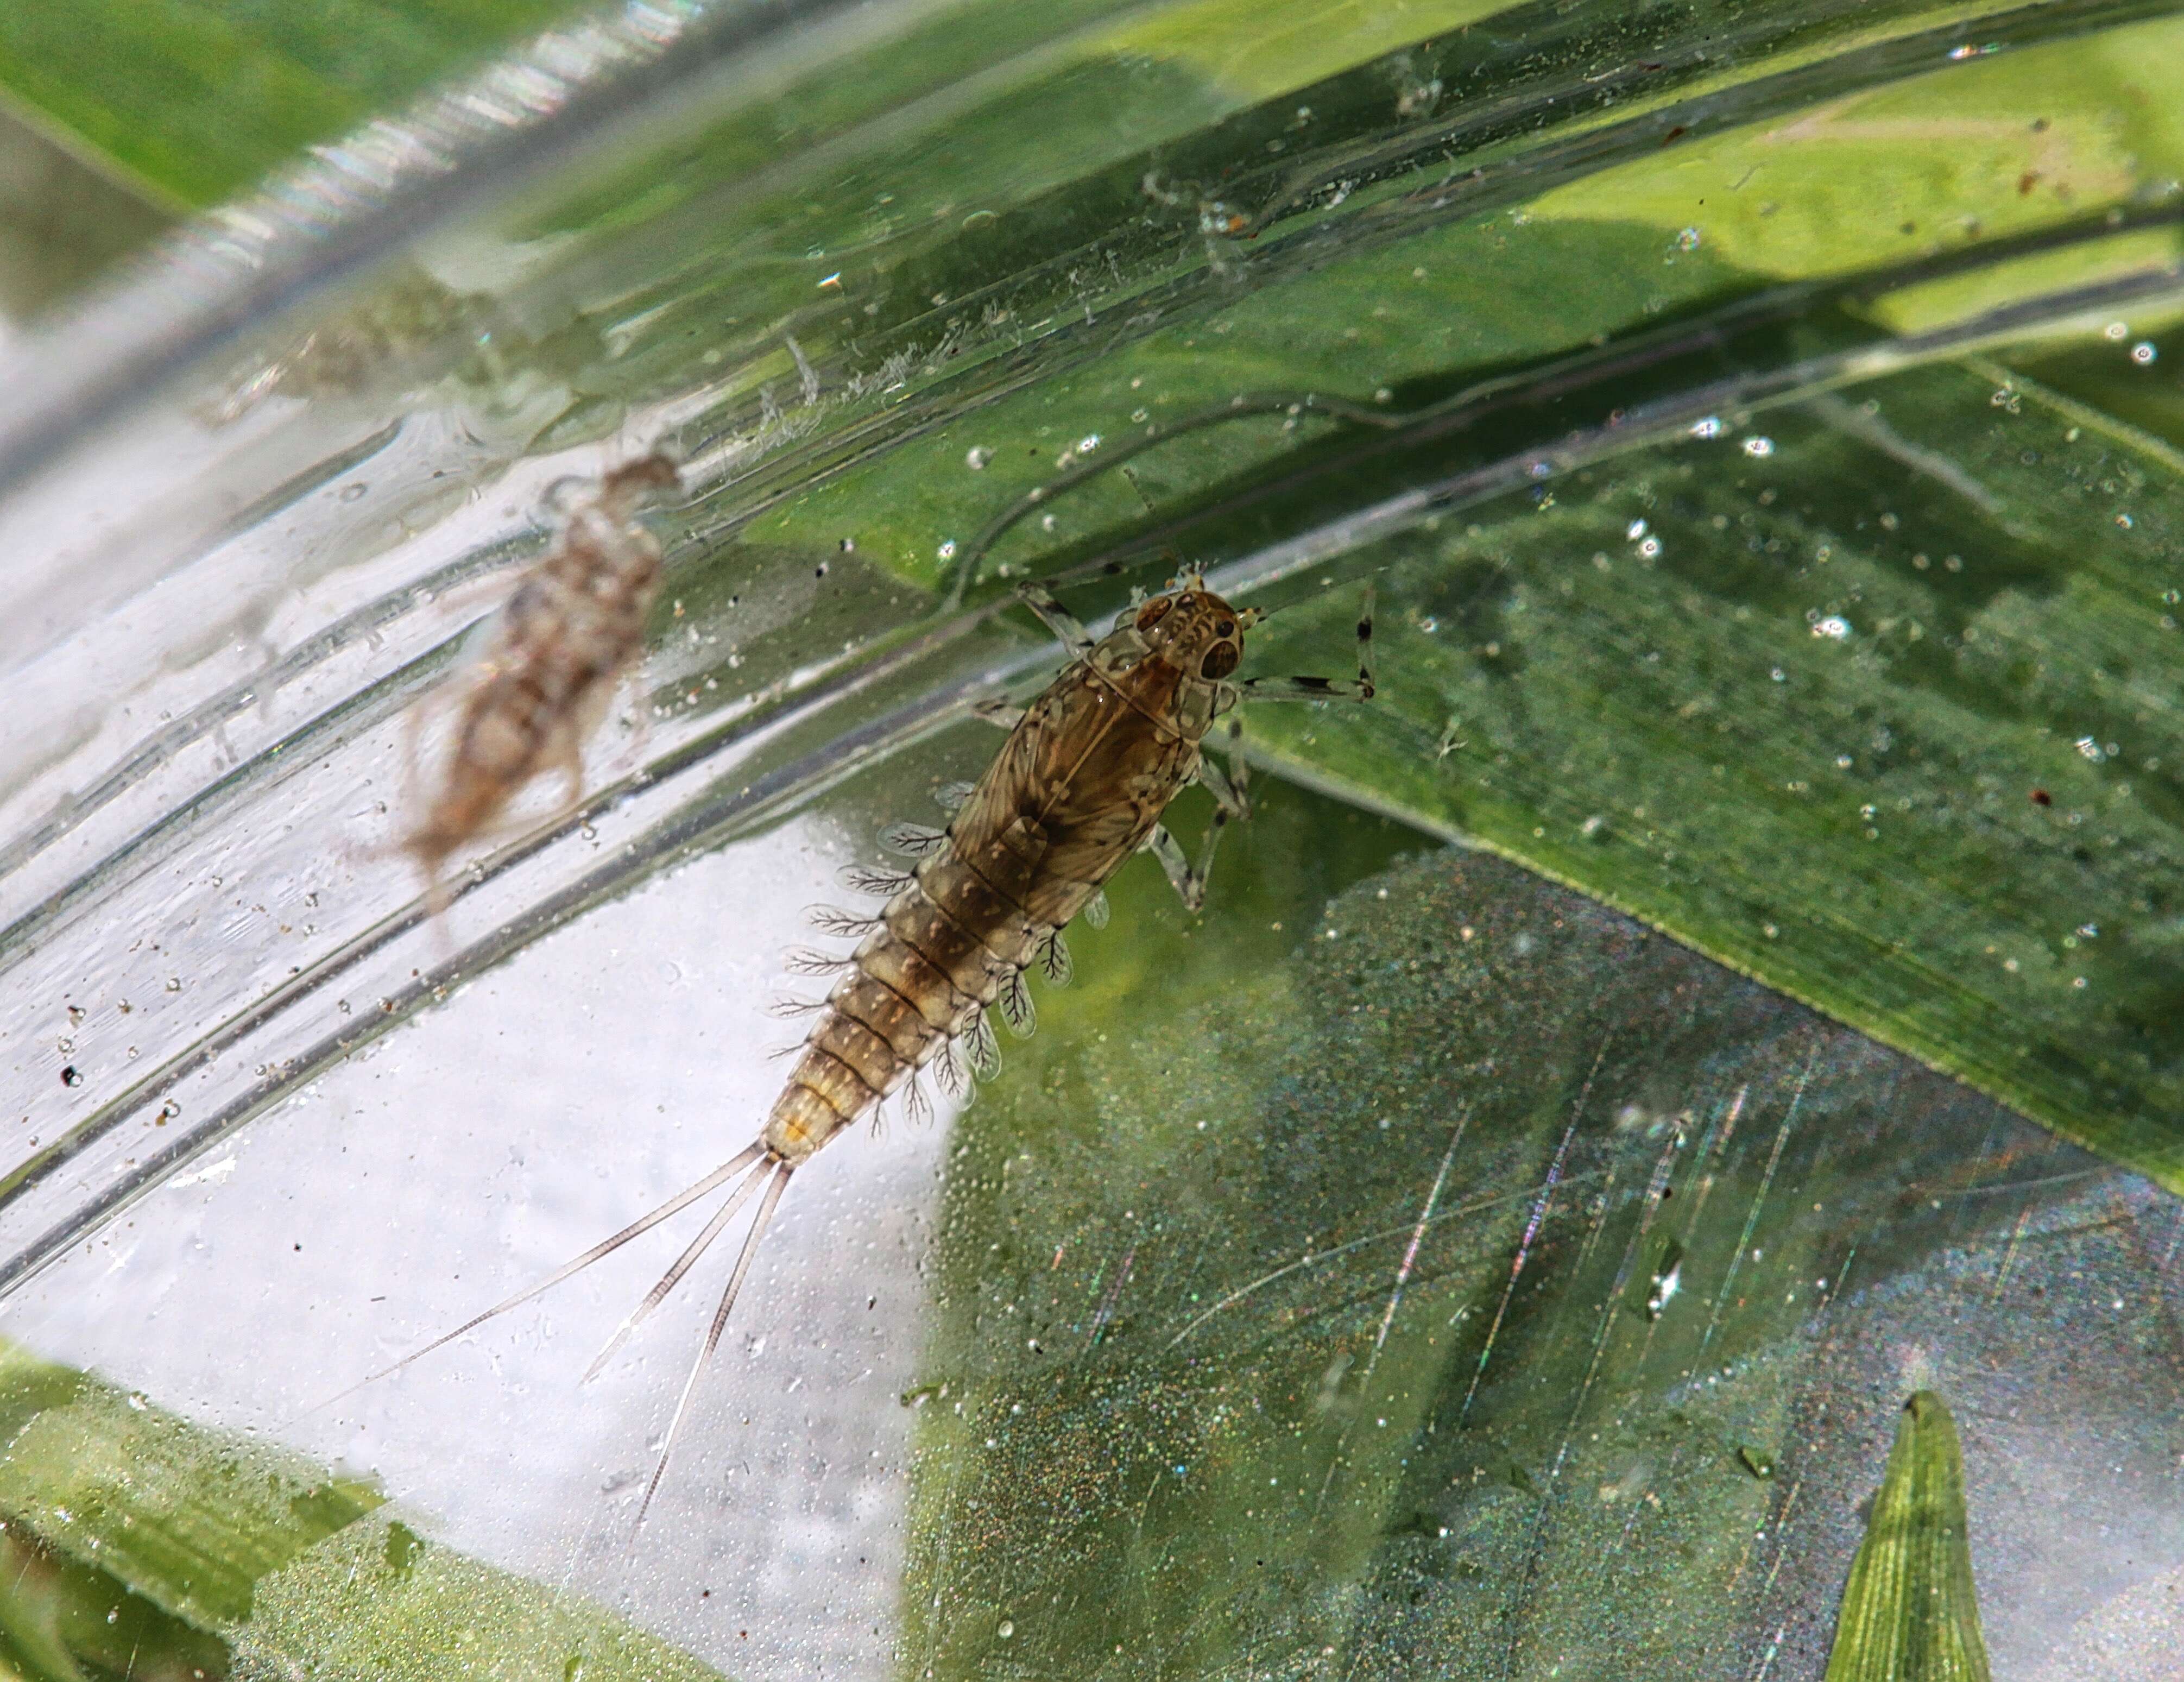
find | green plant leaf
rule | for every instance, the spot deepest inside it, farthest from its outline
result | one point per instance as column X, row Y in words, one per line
column 1861, row 694
column 134, row 1542
column 1297, row 1293
column 187, row 1517
column 1909, row 1609
column 196, row 98
column 1877, row 716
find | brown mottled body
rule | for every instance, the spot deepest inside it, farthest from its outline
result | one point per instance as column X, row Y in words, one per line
column 1079, row 786
column 560, row 645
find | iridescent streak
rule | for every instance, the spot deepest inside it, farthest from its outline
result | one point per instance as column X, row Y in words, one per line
column 1531, row 1232
column 1107, row 1309
column 1314, row 1257
column 1631, row 1254
column 1705, row 1179
column 1411, row 1252
column 1766, row 1184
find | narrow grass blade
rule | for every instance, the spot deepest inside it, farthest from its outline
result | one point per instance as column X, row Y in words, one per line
column 1908, row 1612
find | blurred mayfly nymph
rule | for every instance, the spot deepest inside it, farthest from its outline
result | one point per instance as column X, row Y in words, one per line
column 1080, row 785
column 540, row 686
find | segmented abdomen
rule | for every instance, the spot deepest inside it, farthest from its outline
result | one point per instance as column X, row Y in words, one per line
column 1079, row 784
column 945, row 947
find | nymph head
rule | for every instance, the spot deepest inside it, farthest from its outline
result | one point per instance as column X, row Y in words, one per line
column 1195, row 631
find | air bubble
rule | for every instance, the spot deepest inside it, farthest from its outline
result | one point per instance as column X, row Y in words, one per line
column 2115, row 330
column 1650, row 548
column 1833, row 627
column 1756, row 447
column 1635, row 530
column 2143, row 352
column 1088, row 443
column 977, row 457
column 947, row 550
column 1710, row 427
column 1688, row 240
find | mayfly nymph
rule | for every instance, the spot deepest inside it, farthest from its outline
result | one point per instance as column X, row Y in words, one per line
column 1080, row 785
column 554, row 653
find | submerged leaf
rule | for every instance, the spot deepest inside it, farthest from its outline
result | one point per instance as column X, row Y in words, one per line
column 188, row 1518
column 1909, row 1614
column 133, row 1542
column 1291, row 1296
column 380, row 1600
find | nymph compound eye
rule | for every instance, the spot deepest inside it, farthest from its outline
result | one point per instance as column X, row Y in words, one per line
column 1154, row 611
column 1220, row 660
column 1227, row 627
